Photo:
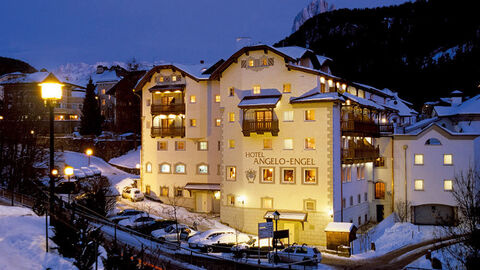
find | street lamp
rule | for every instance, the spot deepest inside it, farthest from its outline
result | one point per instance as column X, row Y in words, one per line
column 68, row 171
column 51, row 91
column 89, row 152
column 276, row 217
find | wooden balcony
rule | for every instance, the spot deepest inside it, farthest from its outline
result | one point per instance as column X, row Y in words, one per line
column 168, row 132
column 360, row 128
column 260, row 127
column 359, row 154
column 386, row 128
column 168, row 108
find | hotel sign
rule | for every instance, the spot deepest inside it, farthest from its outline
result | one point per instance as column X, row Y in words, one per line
column 260, row 159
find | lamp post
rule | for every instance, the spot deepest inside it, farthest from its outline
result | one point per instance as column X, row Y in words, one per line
column 89, row 153
column 51, row 91
column 68, row 171
column 276, row 217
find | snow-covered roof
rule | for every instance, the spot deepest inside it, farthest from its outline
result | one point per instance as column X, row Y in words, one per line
column 259, row 102
column 106, row 76
column 201, row 186
column 322, row 59
column 468, row 107
column 293, row 51
column 317, row 97
column 263, row 92
column 363, row 101
column 339, row 227
column 420, row 124
column 287, row 215
column 433, row 124
column 195, row 70
column 372, row 89
column 36, row 77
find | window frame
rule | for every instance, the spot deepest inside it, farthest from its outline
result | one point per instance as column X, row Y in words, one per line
column 199, row 146
column 227, row 173
column 304, row 170
column 282, row 169
column 218, row 98
column 285, row 118
column 415, row 184
column 176, row 190
column 415, row 159
column 451, row 185
column 162, row 188
column 180, row 164
column 184, row 145
column 231, row 117
column 148, row 167
column 306, row 143
column 451, row 160
column 193, row 122
column 159, row 143
column 262, row 181
column 200, row 165
column 262, row 202
column 379, row 192
column 305, row 203
column 271, row 143
column 192, row 99
column 310, row 113
column 160, row 168
column 218, row 122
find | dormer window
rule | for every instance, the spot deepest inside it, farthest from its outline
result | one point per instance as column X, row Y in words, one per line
column 174, row 78
column 251, row 63
column 161, row 79
column 256, row 89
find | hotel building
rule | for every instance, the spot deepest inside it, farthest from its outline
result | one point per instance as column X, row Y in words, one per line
column 269, row 129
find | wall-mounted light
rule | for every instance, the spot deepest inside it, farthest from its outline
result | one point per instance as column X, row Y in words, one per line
column 330, row 213
column 216, row 195
column 241, row 199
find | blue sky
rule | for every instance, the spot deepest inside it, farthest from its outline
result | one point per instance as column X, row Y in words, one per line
column 54, row 32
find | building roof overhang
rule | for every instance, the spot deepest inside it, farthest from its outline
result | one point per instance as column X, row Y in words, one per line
column 288, row 215
column 202, row 186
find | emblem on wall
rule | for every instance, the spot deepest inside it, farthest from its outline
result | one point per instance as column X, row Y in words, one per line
column 250, row 175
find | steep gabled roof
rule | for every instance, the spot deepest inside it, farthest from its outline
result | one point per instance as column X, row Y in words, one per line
column 468, row 107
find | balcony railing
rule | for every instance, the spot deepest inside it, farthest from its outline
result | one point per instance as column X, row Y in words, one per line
column 260, row 127
column 360, row 128
column 168, row 108
column 168, row 132
column 360, row 154
column 386, row 128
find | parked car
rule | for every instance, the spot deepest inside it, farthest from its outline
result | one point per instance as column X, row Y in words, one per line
column 133, row 194
column 157, row 225
column 127, row 213
column 296, row 253
column 251, row 248
column 222, row 242
column 194, row 240
column 171, row 233
column 89, row 173
column 138, row 221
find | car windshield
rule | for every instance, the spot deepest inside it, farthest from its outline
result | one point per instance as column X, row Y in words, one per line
column 169, row 229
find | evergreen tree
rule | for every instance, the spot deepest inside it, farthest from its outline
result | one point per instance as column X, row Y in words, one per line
column 91, row 120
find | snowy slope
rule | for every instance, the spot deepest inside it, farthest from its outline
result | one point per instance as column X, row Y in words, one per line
column 129, row 160
column 22, row 242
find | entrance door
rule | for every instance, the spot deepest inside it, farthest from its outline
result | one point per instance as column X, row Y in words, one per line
column 290, row 226
column 201, row 202
column 379, row 213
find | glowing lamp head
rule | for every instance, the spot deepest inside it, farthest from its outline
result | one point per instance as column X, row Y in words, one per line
column 1, row 117
column 89, row 152
column 330, row 212
column 276, row 215
column 68, row 171
column 51, row 88
column 54, row 172
column 384, row 120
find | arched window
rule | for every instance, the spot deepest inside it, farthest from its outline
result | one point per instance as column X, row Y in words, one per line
column 433, row 141
column 157, row 121
column 180, row 168
column 164, row 168
column 148, row 167
column 379, row 190
column 202, row 169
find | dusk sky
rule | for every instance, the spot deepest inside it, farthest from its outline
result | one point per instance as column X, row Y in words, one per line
column 55, row 32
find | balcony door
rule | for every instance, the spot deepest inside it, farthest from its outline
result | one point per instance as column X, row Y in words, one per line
column 167, row 123
column 166, row 100
column 263, row 119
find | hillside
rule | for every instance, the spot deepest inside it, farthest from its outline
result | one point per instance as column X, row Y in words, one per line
column 423, row 50
column 9, row 65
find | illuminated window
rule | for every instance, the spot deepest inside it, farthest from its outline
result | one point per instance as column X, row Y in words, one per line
column 162, row 146
column 231, row 91
column 267, row 175
column 448, row 185
column 180, row 168
column 310, row 205
column 309, row 175
column 418, row 184
column 217, row 98
column 309, row 143
column 309, row 115
column 193, row 99
column 418, row 159
column 202, row 169
column 174, row 78
column 103, row 102
column 193, row 122
column 379, row 190
column 103, row 91
column 360, row 172
column 164, row 168
column 180, row 145
column 148, row 167
column 288, row 175
column 288, row 144
column 231, row 144
column 287, row 88
column 256, row 89
column 288, row 116
column 230, row 200
column 203, row 146
column 218, row 122
column 231, row 117
column 267, row 144
column 231, row 173
column 251, row 63
column 264, row 62
column 178, row 192
column 267, row 203
column 348, row 174
column 448, row 159
column 164, row 191
column 161, row 79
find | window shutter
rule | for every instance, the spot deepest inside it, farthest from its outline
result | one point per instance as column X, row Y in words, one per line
column 270, row 61
column 244, row 63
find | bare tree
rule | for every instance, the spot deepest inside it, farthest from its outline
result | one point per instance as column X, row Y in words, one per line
column 466, row 194
column 175, row 203
column 403, row 210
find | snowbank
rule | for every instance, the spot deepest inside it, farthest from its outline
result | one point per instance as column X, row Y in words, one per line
column 129, row 160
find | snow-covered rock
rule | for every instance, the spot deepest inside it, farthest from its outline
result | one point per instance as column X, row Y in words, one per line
column 314, row 8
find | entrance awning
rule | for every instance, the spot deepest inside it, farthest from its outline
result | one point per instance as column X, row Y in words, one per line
column 287, row 215
column 202, row 186
column 167, row 87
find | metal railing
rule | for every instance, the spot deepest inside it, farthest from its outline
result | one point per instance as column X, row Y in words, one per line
column 360, row 128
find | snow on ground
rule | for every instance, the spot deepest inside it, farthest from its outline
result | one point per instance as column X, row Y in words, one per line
column 448, row 262
column 129, row 160
column 22, row 242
